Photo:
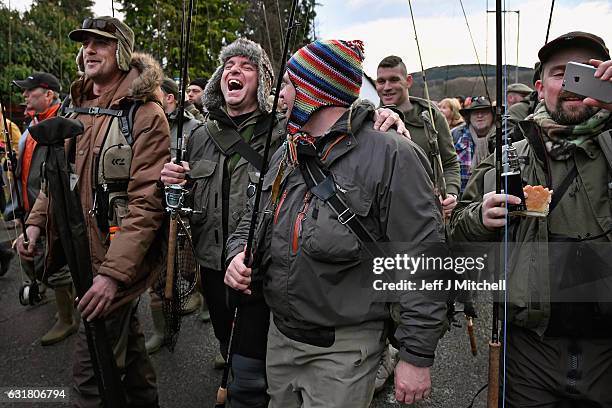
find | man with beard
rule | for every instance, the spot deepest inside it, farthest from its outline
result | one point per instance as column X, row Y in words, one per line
column 223, row 160
column 471, row 138
column 559, row 324
column 195, row 93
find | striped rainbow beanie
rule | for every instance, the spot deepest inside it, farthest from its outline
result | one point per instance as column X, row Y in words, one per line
column 324, row 73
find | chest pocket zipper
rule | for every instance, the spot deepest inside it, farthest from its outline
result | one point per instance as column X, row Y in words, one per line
column 279, row 205
column 297, row 225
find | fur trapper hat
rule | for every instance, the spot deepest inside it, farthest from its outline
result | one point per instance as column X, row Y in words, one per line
column 213, row 97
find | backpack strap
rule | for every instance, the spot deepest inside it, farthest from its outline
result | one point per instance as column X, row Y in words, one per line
column 127, row 122
column 229, row 142
column 95, row 110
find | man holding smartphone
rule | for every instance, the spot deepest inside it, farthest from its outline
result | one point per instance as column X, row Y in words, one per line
column 558, row 339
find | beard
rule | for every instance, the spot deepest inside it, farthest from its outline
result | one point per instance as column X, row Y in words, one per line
column 571, row 116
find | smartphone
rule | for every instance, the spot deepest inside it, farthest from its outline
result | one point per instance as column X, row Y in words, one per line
column 580, row 79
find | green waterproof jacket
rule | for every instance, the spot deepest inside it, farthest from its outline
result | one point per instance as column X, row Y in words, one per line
column 416, row 126
column 220, row 179
column 311, row 261
column 584, row 209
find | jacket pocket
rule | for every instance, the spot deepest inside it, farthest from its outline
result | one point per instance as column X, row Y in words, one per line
column 202, row 175
column 324, row 237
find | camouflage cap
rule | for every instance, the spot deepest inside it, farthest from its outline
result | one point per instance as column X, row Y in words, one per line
column 575, row 38
column 109, row 27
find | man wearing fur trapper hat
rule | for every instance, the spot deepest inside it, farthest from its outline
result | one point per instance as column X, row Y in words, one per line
column 223, row 162
column 115, row 81
column 334, row 187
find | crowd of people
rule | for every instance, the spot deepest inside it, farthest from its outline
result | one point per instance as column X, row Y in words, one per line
column 343, row 176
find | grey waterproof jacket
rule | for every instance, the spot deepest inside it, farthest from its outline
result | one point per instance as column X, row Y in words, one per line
column 310, row 259
column 219, row 194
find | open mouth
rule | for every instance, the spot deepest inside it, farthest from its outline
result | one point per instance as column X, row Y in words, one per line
column 234, row 85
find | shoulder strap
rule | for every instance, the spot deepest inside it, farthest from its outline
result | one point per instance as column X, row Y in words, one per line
column 562, row 189
column 321, row 184
column 229, row 141
column 127, row 121
column 536, row 143
column 65, row 104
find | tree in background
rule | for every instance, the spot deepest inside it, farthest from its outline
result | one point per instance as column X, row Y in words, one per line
column 266, row 23
column 37, row 40
column 157, row 23
column 215, row 24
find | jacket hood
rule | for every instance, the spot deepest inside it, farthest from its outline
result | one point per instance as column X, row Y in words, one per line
column 213, row 97
column 140, row 83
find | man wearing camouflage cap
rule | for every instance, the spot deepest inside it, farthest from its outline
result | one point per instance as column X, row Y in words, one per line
column 114, row 81
column 558, row 333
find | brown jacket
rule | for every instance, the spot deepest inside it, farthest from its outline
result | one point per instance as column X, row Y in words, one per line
column 137, row 252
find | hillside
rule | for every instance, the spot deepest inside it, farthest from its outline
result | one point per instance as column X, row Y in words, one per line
column 466, row 80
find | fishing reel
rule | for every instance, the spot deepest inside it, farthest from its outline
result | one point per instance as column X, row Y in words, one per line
column 175, row 195
column 29, row 294
column 512, row 181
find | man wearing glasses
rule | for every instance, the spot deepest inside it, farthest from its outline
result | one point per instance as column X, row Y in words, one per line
column 470, row 139
column 115, row 80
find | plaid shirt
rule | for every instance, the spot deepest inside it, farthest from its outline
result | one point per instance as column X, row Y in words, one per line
column 465, row 147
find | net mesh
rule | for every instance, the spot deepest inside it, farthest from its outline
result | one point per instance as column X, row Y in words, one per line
column 186, row 274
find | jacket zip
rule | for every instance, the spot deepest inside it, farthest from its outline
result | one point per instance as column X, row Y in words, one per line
column 279, row 205
column 297, row 225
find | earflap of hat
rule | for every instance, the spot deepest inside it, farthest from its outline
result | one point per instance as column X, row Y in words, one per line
column 123, row 55
column 213, row 97
column 266, row 77
column 79, row 60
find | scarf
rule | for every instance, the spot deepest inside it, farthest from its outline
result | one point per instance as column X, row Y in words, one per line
column 561, row 141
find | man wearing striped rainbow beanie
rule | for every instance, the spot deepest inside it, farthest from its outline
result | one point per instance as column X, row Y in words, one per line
column 327, row 331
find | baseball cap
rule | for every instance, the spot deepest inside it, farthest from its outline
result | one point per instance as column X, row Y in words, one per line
column 575, row 38
column 39, row 80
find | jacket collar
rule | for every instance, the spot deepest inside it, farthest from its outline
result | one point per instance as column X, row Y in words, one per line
column 329, row 145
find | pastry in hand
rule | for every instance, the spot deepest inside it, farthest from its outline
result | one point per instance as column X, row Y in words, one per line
column 537, row 201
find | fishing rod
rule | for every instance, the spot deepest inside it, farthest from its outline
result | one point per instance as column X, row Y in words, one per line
column 222, row 391
column 494, row 343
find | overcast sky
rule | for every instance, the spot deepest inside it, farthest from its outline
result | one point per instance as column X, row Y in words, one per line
column 386, row 28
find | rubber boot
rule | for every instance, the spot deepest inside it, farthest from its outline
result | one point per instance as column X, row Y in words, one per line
column 193, row 303
column 159, row 328
column 66, row 324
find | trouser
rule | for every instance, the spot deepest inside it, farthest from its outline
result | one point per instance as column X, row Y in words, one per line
column 128, row 344
column 35, row 268
column 557, row 372
column 220, row 315
column 343, row 375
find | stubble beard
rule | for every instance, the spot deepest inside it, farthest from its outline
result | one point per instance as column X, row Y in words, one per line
column 570, row 116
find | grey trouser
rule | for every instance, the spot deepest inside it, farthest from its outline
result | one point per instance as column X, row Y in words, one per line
column 35, row 269
column 557, row 372
column 127, row 342
column 301, row 375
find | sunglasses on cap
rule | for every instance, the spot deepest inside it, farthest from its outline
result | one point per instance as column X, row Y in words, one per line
column 98, row 24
